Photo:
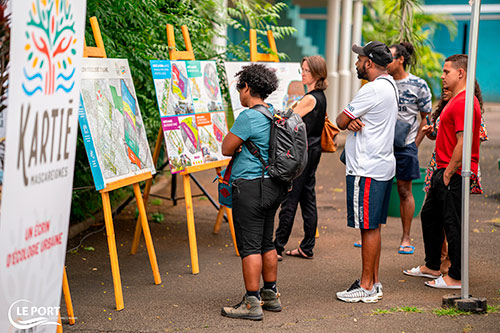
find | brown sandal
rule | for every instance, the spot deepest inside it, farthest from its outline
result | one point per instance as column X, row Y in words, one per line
column 297, row 253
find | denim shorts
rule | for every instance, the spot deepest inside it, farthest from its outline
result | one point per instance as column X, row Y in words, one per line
column 407, row 167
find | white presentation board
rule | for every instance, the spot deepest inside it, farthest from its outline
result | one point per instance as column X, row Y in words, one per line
column 290, row 87
column 46, row 50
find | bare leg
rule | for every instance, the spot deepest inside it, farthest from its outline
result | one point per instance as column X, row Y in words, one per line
column 252, row 268
column 369, row 253
column 407, row 209
column 270, row 266
column 377, row 260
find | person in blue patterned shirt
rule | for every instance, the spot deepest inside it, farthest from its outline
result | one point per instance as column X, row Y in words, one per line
column 415, row 101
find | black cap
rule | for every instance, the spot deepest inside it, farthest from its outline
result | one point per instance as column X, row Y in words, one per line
column 377, row 51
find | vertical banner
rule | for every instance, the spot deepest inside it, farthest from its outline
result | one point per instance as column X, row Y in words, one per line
column 46, row 50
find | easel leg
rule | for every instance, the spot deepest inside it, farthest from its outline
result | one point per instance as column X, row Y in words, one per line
column 147, row 233
column 138, row 229
column 113, row 255
column 67, row 298
column 229, row 213
column 218, row 221
column 147, row 190
column 190, row 224
column 59, row 327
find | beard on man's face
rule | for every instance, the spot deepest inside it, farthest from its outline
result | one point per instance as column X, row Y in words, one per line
column 361, row 71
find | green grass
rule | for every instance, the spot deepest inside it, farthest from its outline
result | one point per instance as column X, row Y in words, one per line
column 493, row 308
column 158, row 217
column 405, row 309
column 451, row 312
column 156, row 202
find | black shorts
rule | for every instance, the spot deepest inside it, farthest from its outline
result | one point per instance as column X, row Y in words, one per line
column 253, row 214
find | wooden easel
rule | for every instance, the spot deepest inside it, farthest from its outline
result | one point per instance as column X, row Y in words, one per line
column 265, row 57
column 217, row 165
column 69, row 303
column 100, row 52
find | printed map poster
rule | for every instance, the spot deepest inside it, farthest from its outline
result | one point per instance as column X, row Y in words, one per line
column 182, row 140
column 46, row 50
column 205, row 87
column 290, row 87
column 212, row 129
column 195, row 137
column 111, row 122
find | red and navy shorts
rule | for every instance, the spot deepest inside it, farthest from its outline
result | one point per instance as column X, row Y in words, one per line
column 367, row 202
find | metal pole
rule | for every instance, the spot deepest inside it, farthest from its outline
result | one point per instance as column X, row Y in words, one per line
column 467, row 142
column 345, row 55
column 356, row 39
column 332, row 56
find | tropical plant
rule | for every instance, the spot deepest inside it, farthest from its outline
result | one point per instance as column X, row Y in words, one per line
column 395, row 21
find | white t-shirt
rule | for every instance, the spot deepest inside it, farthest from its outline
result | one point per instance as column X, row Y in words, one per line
column 369, row 152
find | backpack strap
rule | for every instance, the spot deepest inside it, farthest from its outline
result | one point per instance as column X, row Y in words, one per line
column 262, row 109
column 393, row 86
column 252, row 147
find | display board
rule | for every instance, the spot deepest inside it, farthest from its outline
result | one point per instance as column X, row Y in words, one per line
column 191, row 111
column 111, row 122
column 46, row 50
column 290, row 87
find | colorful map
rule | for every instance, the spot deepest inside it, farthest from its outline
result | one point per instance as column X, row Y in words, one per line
column 111, row 122
column 191, row 111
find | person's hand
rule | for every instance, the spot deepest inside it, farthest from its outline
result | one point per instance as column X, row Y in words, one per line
column 428, row 131
column 446, row 179
column 355, row 125
column 238, row 150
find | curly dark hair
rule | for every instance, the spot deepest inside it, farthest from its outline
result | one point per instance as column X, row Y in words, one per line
column 261, row 80
column 406, row 50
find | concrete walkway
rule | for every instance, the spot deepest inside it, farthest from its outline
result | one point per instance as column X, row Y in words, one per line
column 192, row 302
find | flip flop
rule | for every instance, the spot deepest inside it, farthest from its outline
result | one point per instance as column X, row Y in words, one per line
column 356, row 244
column 440, row 283
column 298, row 253
column 415, row 271
column 403, row 247
column 280, row 257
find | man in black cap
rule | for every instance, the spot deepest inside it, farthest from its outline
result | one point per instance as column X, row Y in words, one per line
column 370, row 164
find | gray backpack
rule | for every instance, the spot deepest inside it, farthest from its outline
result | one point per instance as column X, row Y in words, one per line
column 287, row 147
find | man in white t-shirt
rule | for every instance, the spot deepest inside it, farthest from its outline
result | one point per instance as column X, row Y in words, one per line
column 370, row 164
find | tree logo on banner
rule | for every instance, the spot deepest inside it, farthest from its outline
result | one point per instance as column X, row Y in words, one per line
column 49, row 48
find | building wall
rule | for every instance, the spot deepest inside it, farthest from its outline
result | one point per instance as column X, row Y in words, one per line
column 488, row 59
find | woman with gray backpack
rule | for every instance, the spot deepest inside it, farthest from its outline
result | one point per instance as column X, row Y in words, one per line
column 255, row 195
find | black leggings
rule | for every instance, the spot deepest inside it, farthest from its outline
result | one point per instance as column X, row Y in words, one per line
column 303, row 192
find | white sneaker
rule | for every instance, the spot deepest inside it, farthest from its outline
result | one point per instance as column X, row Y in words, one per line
column 378, row 289
column 356, row 293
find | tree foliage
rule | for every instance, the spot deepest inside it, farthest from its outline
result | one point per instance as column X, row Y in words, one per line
column 395, row 21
